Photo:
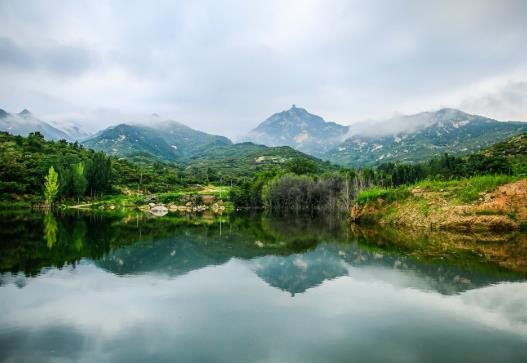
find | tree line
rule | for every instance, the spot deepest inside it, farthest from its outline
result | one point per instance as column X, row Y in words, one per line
column 92, row 178
column 299, row 186
column 31, row 167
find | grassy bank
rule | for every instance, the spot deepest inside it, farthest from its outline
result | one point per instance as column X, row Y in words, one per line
column 488, row 202
column 127, row 200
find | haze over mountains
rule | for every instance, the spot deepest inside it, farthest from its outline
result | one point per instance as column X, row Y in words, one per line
column 24, row 122
column 420, row 137
column 410, row 138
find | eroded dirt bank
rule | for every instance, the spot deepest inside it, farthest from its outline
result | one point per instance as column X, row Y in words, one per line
column 505, row 209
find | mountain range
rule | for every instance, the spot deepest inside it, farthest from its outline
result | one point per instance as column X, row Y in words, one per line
column 431, row 134
column 25, row 122
column 411, row 138
column 173, row 142
column 287, row 134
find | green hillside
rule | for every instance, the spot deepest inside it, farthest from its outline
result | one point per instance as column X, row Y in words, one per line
column 246, row 159
column 514, row 149
column 168, row 141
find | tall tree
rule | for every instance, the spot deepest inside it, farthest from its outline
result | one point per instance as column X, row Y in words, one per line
column 51, row 185
column 79, row 180
column 99, row 174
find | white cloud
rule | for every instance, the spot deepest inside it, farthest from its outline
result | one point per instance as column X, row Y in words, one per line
column 224, row 67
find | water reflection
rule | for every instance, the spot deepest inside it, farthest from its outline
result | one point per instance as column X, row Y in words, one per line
column 255, row 289
column 292, row 254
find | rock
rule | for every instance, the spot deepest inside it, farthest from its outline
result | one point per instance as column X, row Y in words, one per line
column 207, row 199
column 152, row 198
column 159, row 210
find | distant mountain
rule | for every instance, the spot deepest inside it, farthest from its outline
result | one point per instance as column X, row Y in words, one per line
column 421, row 137
column 25, row 122
column 299, row 129
column 74, row 129
column 167, row 141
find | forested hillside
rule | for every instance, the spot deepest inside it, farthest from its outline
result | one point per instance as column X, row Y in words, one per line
column 25, row 164
column 304, row 189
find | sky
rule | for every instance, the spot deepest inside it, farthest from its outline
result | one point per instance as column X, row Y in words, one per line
column 224, row 66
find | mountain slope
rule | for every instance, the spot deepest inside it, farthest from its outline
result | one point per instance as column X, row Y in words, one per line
column 244, row 159
column 514, row 146
column 74, row 129
column 186, row 140
column 514, row 149
column 299, row 129
column 127, row 141
column 166, row 141
column 24, row 123
column 430, row 134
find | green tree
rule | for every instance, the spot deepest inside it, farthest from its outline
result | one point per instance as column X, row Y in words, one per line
column 79, row 180
column 66, row 182
column 301, row 166
column 51, row 185
column 99, row 174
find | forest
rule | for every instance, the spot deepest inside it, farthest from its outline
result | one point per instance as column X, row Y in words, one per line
column 37, row 170
column 300, row 189
column 31, row 166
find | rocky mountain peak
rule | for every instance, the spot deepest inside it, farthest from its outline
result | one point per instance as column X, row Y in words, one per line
column 298, row 128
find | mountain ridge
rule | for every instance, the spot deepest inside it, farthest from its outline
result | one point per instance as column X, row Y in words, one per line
column 25, row 122
column 167, row 140
column 446, row 130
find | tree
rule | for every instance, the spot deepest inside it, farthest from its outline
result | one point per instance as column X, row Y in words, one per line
column 301, row 166
column 79, row 180
column 51, row 185
column 66, row 182
column 99, row 174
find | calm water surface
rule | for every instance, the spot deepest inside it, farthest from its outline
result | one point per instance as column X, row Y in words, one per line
column 248, row 289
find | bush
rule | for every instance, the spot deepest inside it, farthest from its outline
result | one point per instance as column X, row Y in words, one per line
column 301, row 192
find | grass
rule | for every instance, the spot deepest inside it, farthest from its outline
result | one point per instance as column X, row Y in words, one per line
column 388, row 194
column 472, row 187
column 465, row 190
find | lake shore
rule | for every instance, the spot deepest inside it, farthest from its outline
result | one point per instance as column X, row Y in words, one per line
column 436, row 206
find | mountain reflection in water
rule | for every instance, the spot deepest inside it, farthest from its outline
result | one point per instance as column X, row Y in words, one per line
column 133, row 288
column 291, row 253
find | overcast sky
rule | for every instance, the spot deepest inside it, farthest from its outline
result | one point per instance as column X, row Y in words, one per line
column 224, row 66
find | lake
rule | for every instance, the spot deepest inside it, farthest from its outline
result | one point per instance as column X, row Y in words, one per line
column 255, row 288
